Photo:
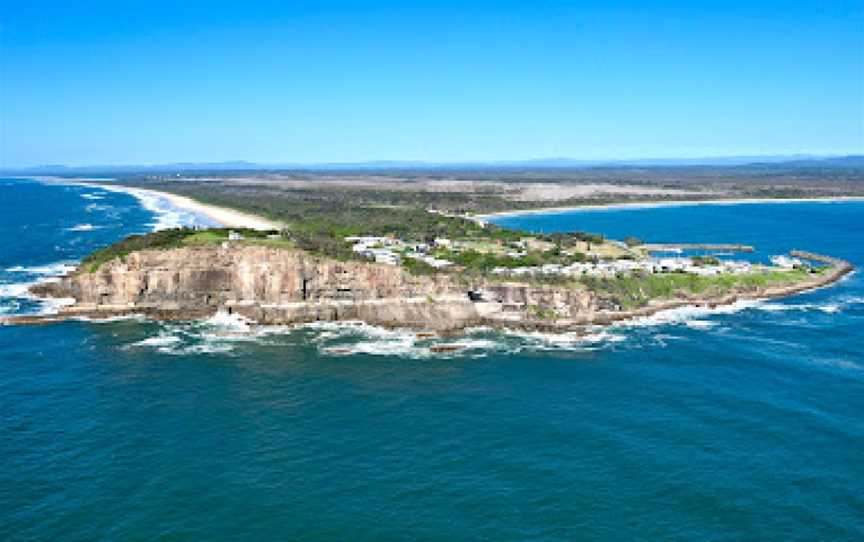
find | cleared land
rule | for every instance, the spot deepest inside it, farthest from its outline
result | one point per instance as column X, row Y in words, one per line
column 490, row 189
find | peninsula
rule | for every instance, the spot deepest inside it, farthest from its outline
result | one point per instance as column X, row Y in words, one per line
column 480, row 275
column 413, row 248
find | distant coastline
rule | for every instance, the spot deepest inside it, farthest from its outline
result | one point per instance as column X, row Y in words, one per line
column 657, row 204
column 233, row 218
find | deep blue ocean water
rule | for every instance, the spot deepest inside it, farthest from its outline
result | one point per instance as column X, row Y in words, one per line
column 742, row 424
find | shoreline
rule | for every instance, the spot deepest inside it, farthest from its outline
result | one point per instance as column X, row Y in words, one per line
column 601, row 320
column 224, row 216
column 459, row 314
column 658, row 204
column 227, row 217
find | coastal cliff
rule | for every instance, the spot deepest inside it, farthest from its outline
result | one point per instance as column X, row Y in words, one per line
column 282, row 286
column 279, row 286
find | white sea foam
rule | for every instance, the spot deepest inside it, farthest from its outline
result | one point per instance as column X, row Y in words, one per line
column 110, row 319
column 167, row 215
column 18, row 289
column 51, row 269
column 700, row 324
column 37, row 274
column 362, row 338
column 827, row 307
column 216, row 334
column 54, row 304
column 683, row 315
column 776, row 307
column 468, row 343
column 591, row 338
column 693, row 316
column 203, row 348
column 83, row 227
column 97, row 207
column 603, row 337
column 21, row 290
column 233, row 322
column 160, row 340
column 349, row 338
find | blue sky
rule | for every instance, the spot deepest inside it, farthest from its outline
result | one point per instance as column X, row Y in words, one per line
column 155, row 82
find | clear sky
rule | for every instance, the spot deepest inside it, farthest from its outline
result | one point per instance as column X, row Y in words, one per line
column 150, row 81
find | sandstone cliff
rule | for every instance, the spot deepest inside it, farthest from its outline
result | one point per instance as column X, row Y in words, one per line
column 278, row 286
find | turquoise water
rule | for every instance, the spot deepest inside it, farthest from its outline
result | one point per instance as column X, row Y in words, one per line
column 741, row 424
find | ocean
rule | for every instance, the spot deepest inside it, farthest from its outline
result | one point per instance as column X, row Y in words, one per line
column 742, row 423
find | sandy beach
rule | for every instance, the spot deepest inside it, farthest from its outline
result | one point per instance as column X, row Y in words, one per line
column 652, row 204
column 223, row 216
column 227, row 217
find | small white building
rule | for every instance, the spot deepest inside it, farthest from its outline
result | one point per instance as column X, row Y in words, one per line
column 234, row 236
column 785, row 262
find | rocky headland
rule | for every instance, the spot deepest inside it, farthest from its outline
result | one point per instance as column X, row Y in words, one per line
column 270, row 285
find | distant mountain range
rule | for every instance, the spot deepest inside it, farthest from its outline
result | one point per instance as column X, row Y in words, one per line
column 787, row 161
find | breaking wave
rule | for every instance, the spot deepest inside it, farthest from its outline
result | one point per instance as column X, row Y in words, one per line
column 83, row 227
column 51, row 269
column 222, row 333
column 166, row 214
column 15, row 296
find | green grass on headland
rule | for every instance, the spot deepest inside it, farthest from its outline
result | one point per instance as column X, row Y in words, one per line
column 175, row 238
column 636, row 291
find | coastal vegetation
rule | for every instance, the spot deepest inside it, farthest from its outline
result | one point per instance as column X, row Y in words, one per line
column 175, row 238
column 637, row 290
column 485, row 261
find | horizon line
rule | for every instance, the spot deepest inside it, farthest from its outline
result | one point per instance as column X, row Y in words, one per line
column 669, row 160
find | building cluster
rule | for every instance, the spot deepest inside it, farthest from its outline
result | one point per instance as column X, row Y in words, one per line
column 378, row 249
column 392, row 251
column 613, row 268
column 786, row 262
column 389, row 250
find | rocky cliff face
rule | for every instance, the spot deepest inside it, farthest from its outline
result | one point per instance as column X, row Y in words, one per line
column 277, row 286
column 237, row 274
